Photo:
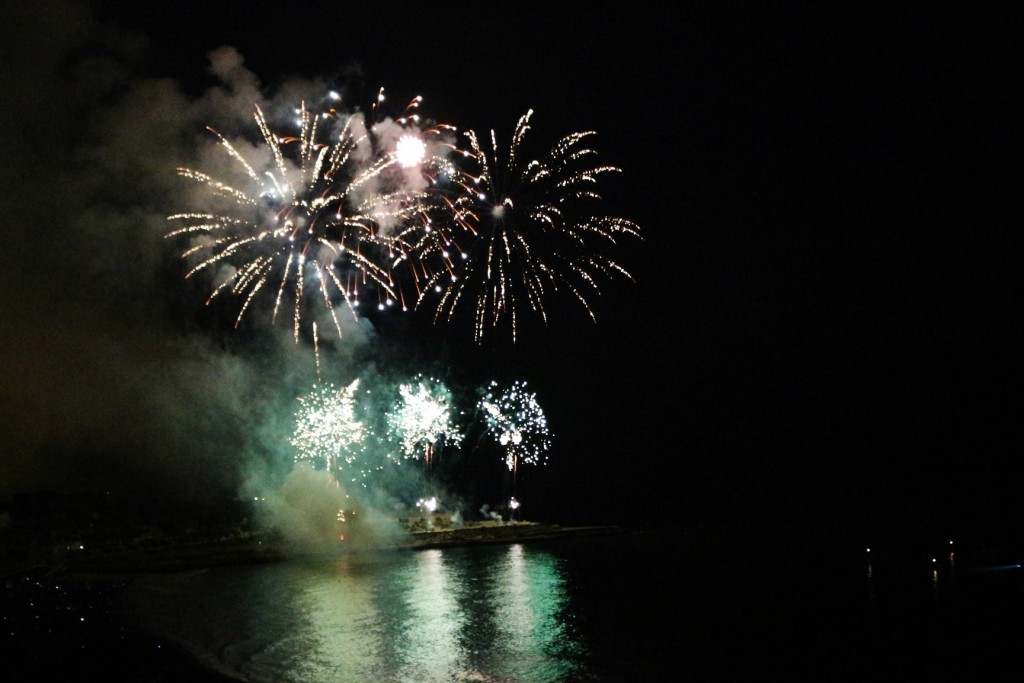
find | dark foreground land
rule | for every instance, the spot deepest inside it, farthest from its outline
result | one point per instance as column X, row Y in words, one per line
column 65, row 627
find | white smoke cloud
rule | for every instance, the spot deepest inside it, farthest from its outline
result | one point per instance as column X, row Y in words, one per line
column 111, row 384
column 311, row 512
column 113, row 381
column 227, row 64
column 303, row 509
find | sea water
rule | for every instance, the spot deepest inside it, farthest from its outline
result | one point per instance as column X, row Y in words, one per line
column 628, row 607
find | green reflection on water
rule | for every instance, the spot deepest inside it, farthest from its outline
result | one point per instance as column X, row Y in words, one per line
column 460, row 614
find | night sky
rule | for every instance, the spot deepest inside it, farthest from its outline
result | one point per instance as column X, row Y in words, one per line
column 825, row 321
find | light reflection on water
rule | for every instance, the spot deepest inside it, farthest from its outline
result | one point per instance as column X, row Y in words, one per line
column 610, row 609
column 497, row 613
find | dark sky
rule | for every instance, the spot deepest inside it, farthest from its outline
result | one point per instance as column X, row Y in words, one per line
column 826, row 316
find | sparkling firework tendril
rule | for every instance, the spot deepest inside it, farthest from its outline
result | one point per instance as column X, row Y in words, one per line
column 516, row 421
column 331, row 214
column 533, row 230
column 423, row 419
column 327, row 430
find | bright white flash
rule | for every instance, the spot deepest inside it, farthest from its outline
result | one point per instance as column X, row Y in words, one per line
column 410, row 151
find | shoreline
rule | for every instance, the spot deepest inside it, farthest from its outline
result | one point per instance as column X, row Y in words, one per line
column 202, row 555
column 507, row 532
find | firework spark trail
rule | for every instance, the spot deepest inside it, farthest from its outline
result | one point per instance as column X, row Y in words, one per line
column 534, row 233
column 516, row 421
column 340, row 211
column 316, row 351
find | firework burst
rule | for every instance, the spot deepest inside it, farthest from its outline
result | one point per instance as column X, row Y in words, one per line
column 422, row 420
column 532, row 231
column 326, row 216
column 516, row 421
column 327, row 431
